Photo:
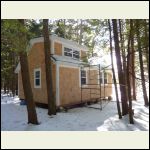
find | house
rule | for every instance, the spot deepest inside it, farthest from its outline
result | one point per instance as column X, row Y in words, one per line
column 71, row 76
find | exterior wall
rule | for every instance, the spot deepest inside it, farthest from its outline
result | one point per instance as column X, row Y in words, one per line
column 83, row 54
column 70, row 88
column 59, row 51
column 36, row 60
column 57, row 48
column 69, row 79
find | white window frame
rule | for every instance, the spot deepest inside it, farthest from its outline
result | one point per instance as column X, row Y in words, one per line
column 75, row 54
column 103, row 78
column 84, row 85
column 35, row 70
column 72, row 50
column 68, row 52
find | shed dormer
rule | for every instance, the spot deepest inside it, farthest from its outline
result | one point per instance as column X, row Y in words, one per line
column 63, row 47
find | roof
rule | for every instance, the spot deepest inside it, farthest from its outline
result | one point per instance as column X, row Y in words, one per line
column 63, row 60
column 59, row 39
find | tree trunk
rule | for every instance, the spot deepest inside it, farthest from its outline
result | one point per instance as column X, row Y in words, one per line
column 32, row 116
column 114, row 77
column 13, row 82
column 48, row 68
column 133, row 63
column 141, row 64
column 120, row 71
column 128, row 77
column 147, row 46
column 124, row 66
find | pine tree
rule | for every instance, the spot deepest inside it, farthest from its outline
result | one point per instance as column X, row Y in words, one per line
column 114, row 76
column 120, row 70
column 32, row 116
column 48, row 68
column 141, row 62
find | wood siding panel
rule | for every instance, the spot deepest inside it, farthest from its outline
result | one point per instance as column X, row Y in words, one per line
column 58, row 48
column 36, row 59
column 70, row 90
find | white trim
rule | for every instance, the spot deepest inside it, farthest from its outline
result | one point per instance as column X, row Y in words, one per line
column 102, row 84
column 60, row 40
column 84, row 85
column 37, row 69
column 69, row 42
column 73, row 49
column 57, row 86
column 79, row 77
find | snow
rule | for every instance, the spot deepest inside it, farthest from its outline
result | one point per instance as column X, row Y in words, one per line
column 14, row 118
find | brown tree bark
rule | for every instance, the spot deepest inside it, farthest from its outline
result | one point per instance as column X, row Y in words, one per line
column 120, row 70
column 123, row 52
column 48, row 68
column 141, row 63
column 114, row 76
column 128, row 77
column 133, row 62
column 32, row 116
column 147, row 46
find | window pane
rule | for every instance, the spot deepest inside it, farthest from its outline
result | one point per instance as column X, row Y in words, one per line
column 68, row 54
column 67, row 49
column 83, row 73
column 37, row 82
column 83, row 80
column 76, row 54
column 37, row 74
column 83, row 77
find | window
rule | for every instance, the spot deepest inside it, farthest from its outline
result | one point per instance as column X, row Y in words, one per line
column 67, row 52
column 75, row 54
column 103, row 78
column 83, row 77
column 71, row 53
column 37, row 78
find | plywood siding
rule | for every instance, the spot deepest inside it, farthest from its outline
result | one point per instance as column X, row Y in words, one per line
column 69, row 85
column 69, row 79
column 57, row 48
column 36, row 59
column 83, row 54
column 70, row 89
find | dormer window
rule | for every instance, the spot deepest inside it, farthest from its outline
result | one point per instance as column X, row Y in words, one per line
column 71, row 53
column 67, row 52
column 75, row 54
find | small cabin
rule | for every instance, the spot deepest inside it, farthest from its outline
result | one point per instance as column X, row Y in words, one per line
column 74, row 80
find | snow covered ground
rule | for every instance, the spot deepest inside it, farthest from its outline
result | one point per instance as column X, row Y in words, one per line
column 14, row 118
